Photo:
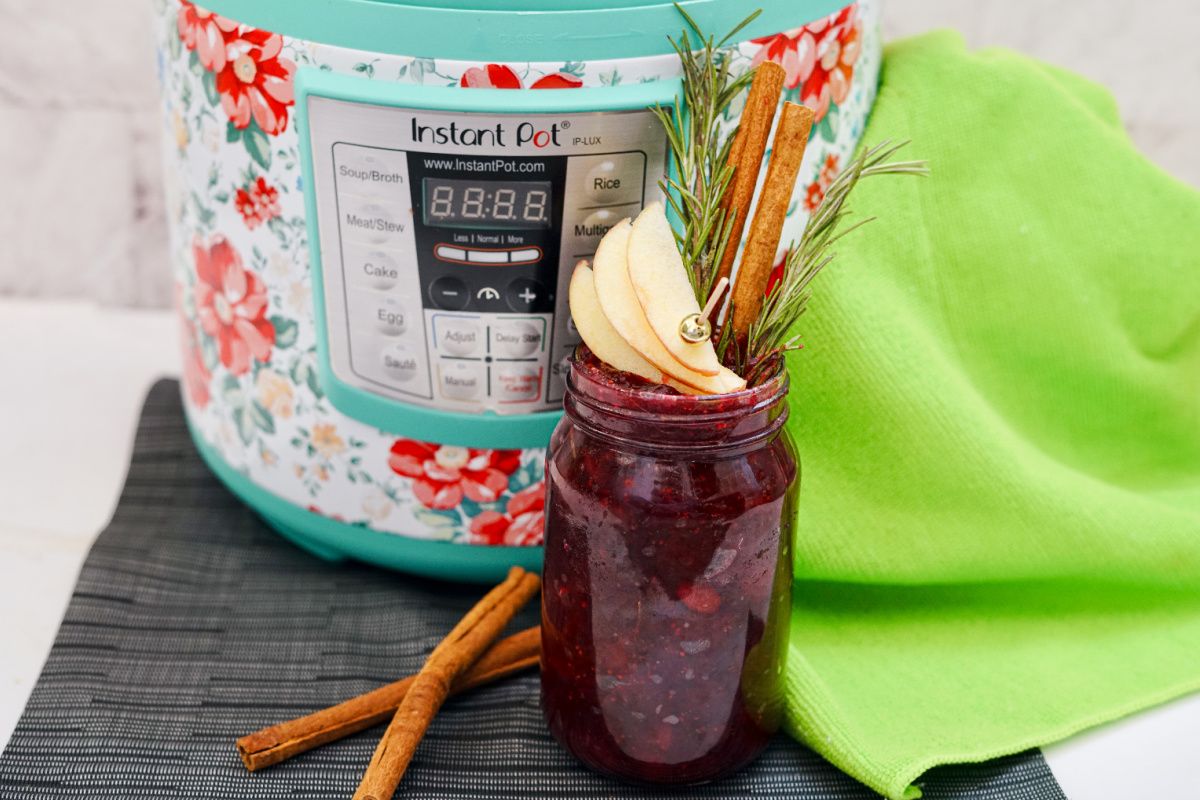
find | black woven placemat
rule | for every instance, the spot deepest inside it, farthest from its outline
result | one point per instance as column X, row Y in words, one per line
column 193, row 623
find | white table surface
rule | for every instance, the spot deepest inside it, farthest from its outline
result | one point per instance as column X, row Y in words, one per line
column 74, row 378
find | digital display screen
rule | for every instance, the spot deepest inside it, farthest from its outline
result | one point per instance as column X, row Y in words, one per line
column 451, row 203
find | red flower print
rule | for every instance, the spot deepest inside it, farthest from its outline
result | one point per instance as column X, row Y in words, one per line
column 231, row 305
column 558, row 80
column 829, row 170
column 813, row 196
column 257, row 202
column 498, row 76
column 203, row 31
column 196, row 377
column 818, row 58
column 521, row 524
column 491, row 76
column 255, row 82
column 442, row 474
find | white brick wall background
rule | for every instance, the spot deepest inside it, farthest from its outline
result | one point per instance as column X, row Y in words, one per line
column 81, row 205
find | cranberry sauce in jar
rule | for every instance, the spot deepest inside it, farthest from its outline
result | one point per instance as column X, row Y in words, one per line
column 668, row 575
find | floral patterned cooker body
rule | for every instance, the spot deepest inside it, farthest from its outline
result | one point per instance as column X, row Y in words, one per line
column 244, row 292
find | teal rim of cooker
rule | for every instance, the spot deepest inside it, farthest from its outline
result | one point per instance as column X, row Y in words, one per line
column 516, row 30
column 486, row 430
column 334, row 540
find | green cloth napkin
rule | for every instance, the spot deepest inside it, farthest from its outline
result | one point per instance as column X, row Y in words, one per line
column 998, row 414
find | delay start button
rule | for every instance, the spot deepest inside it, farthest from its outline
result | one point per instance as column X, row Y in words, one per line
column 516, row 339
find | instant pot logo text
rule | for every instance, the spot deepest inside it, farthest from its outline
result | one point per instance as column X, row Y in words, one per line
column 526, row 134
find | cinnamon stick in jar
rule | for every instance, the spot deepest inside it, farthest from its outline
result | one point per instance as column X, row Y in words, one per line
column 431, row 686
column 758, row 257
column 746, row 153
column 280, row 742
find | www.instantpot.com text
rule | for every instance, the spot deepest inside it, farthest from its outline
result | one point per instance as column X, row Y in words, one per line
column 484, row 165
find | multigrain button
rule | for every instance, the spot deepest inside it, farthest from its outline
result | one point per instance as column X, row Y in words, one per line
column 458, row 336
column 399, row 362
column 389, row 316
column 449, row 293
column 516, row 339
column 380, row 270
column 460, row 380
column 517, row 383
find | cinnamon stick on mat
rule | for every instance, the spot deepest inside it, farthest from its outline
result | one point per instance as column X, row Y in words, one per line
column 746, row 153
column 280, row 742
column 429, row 689
column 758, row 257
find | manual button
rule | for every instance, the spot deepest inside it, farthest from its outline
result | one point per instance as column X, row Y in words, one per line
column 460, row 380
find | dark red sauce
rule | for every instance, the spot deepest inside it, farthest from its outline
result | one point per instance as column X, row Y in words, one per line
column 667, row 575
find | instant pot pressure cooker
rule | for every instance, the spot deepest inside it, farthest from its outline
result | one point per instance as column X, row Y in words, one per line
column 375, row 208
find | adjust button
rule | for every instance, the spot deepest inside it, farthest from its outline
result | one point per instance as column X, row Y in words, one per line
column 458, row 336
column 524, row 295
column 449, row 293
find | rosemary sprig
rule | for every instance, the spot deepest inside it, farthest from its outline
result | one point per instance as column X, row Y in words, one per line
column 788, row 299
column 700, row 161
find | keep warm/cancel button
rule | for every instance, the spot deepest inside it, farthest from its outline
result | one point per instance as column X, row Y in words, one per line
column 517, row 383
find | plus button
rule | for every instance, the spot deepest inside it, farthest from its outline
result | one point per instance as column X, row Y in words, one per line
column 527, row 295
column 524, row 294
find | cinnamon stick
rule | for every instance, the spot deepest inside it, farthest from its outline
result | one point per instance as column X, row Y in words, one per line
column 429, row 689
column 758, row 257
column 746, row 153
column 280, row 742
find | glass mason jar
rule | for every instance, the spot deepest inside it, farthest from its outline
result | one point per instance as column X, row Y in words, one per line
column 667, row 577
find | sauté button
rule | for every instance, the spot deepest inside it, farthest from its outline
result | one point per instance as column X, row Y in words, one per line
column 517, row 339
column 524, row 294
column 460, row 380
column 516, row 383
column 458, row 337
column 380, row 270
column 389, row 316
column 399, row 362
column 449, row 293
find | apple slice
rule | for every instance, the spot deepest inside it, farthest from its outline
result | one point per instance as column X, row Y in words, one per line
column 598, row 333
column 664, row 291
column 619, row 303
